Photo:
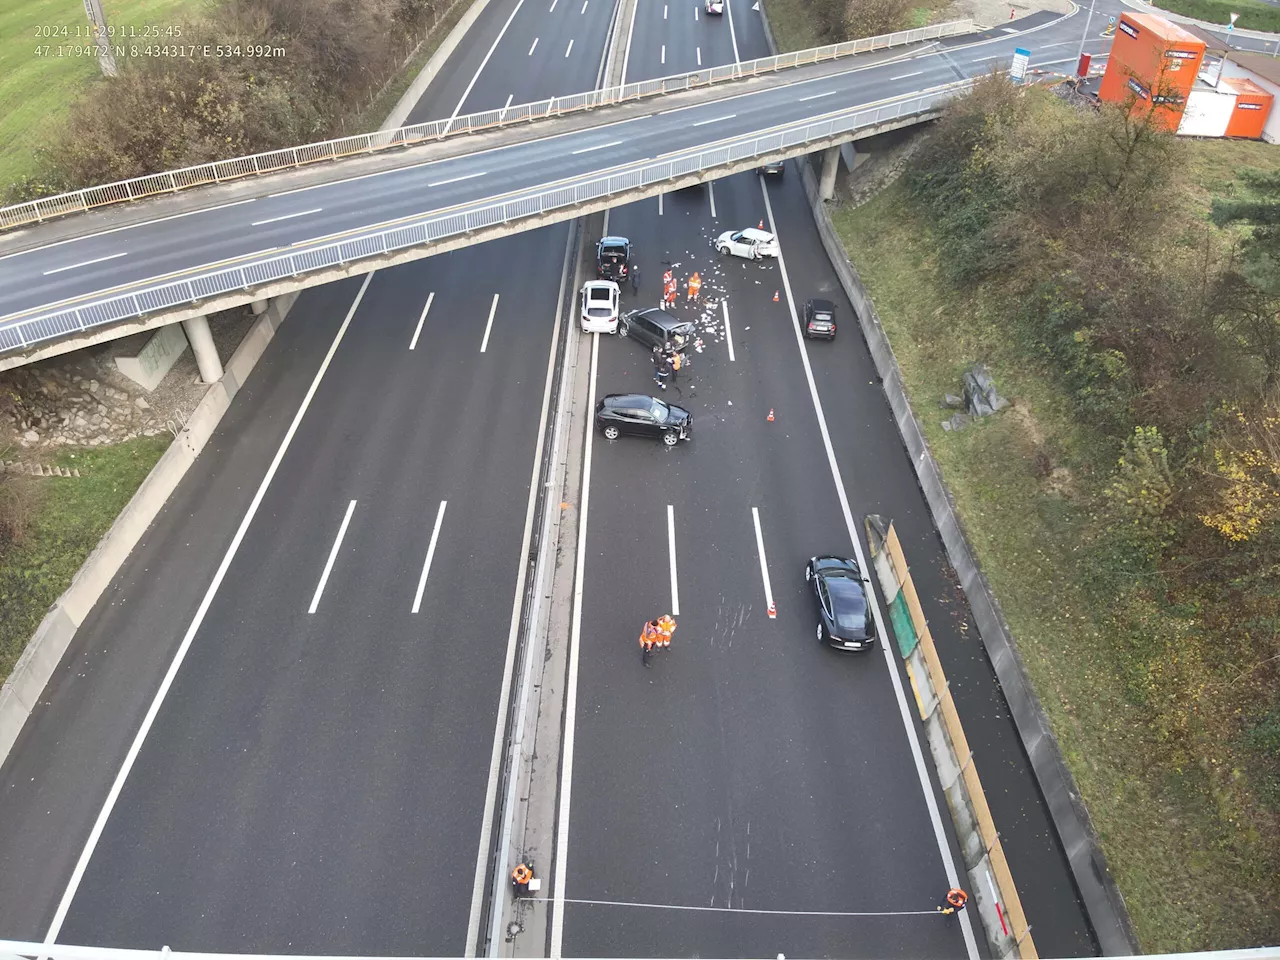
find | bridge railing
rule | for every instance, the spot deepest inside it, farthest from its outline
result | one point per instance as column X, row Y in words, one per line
column 276, row 161
column 150, row 298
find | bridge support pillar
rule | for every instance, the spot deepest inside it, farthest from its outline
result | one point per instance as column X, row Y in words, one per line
column 259, row 307
column 201, row 339
column 830, row 164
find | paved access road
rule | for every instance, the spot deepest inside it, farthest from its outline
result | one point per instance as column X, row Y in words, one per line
column 243, row 232
column 751, row 767
column 316, row 781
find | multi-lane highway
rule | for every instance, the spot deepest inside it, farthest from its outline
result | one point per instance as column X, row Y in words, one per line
column 247, row 230
column 327, row 605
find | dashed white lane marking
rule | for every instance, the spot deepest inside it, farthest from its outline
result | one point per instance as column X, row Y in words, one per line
column 431, row 552
column 817, row 96
column 764, row 564
column 468, row 176
column 506, row 106
column 703, row 123
column 85, row 263
column 287, row 216
column 664, row 53
column 489, row 325
column 598, row 146
column 698, row 50
column 728, row 332
column 148, row 721
column 664, row 11
column 414, row 342
column 569, row 49
column 532, row 47
column 584, row 6
column 903, row 76
column 671, row 556
column 485, row 62
column 333, row 555
column 553, row 6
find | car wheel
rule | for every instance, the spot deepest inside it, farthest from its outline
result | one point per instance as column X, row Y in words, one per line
column 808, row 574
column 611, row 432
column 622, row 329
column 670, row 438
column 820, row 633
column 722, row 248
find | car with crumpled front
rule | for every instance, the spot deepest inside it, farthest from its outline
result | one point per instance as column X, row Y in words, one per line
column 640, row 415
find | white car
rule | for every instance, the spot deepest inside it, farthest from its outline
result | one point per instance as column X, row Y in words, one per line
column 600, row 306
column 715, row 6
column 749, row 243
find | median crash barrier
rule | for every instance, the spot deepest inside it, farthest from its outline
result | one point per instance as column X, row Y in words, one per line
column 990, row 882
column 290, row 158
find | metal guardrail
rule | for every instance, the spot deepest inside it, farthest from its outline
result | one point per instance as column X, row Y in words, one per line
column 149, row 299
column 276, row 161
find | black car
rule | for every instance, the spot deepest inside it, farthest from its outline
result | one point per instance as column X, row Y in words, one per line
column 644, row 416
column 612, row 256
column 844, row 616
column 820, row 319
column 654, row 327
column 774, row 168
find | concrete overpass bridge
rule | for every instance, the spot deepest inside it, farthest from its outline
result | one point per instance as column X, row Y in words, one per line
column 72, row 275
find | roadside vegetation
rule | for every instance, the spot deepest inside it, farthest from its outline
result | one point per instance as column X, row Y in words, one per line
column 50, row 525
column 297, row 71
column 1254, row 14
column 802, row 24
column 1124, row 287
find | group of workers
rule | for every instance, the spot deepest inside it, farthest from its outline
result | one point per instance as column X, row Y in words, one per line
column 668, row 360
column 656, row 633
column 670, row 288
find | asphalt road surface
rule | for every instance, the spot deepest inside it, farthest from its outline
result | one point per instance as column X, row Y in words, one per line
column 751, row 767
column 317, row 781
column 247, row 231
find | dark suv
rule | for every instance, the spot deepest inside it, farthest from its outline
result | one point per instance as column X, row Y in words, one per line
column 773, row 168
column 620, row 413
column 612, row 256
column 654, row 327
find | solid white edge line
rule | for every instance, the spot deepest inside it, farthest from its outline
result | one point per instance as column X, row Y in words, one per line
column 570, row 47
column 431, row 552
column 493, row 308
column 764, row 563
column 953, row 877
column 728, row 332
column 728, row 5
column 86, row 263
column 418, row 329
column 571, row 688
column 333, row 555
column 513, row 636
column 631, row 32
column 671, row 557
column 77, row 874
column 711, row 192
column 287, row 216
column 484, row 63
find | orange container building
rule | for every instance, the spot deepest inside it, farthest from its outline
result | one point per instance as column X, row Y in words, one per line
column 1153, row 65
column 1253, row 106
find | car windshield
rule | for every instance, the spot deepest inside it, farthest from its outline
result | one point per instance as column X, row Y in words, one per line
column 822, row 317
column 848, row 607
column 737, row 236
column 598, row 311
column 658, row 410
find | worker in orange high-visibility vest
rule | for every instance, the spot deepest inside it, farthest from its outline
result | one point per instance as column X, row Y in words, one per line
column 669, row 294
column 666, row 627
column 649, row 636
column 695, row 285
column 954, row 902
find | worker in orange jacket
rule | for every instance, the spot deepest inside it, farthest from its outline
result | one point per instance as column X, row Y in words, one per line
column 954, row 902
column 668, row 289
column 666, row 627
column 695, row 285
column 649, row 637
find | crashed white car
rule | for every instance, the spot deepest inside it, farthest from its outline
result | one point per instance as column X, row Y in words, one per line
column 749, row 243
column 600, row 306
column 715, row 6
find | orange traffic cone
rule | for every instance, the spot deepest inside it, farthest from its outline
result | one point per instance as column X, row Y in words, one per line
column 775, row 296
column 761, row 226
column 773, row 611
column 770, row 417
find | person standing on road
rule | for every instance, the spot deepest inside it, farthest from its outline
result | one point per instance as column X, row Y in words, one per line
column 648, row 637
column 635, row 279
column 695, row 286
column 954, row 902
column 666, row 627
column 520, row 878
column 668, row 285
column 661, row 368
